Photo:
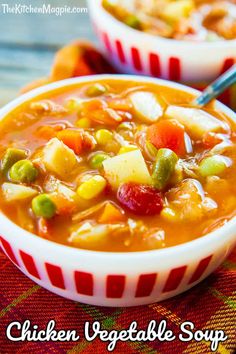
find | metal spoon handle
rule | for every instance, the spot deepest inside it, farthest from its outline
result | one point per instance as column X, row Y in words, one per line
column 217, row 87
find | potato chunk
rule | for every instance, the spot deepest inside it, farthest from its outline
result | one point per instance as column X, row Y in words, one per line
column 128, row 167
column 87, row 234
column 58, row 158
column 13, row 192
column 146, row 106
column 196, row 121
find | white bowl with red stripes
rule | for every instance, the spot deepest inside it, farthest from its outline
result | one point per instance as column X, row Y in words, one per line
column 107, row 278
column 135, row 52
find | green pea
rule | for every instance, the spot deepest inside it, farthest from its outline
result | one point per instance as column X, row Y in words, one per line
column 214, row 165
column 97, row 160
column 10, row 157
column 43, row 206
column 95, row 90
column 23, row 171
column 164, row 167
column 133, row 21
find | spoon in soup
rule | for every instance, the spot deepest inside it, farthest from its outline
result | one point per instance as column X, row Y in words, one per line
column 212, row 91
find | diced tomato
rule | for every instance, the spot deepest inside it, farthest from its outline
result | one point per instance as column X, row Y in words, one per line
column 167, row 134
column 140, row 199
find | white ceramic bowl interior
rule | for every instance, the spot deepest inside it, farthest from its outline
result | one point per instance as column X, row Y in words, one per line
column 114, row 279
column 135, row 52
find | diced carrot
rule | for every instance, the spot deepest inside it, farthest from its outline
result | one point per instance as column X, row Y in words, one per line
column 44, row 228
column 111, row 214
column 64, row 205
column 77, row 140
column 167, row 134
column 47, row 132
column 72, row 138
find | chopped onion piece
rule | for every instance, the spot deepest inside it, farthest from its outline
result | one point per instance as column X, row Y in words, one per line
column 15, row 192
column 221, row 147
column 188, row 143
column 196, row 121
column 146, row 106
column 88, row 212
column 88, row 232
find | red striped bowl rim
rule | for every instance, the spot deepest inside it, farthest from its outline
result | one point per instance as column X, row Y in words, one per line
column 96, row 6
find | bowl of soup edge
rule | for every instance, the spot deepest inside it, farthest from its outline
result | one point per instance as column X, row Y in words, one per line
column 108, row 278
column 136, row 52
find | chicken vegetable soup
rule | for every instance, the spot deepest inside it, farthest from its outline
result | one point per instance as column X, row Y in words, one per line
column 117, row 165
column 199, row 20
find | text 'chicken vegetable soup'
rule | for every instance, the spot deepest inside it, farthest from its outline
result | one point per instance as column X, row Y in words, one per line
column 198, row 20
column 117, row 165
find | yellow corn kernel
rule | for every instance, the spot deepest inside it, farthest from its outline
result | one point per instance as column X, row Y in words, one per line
column 95, row 90
column 92, row 187
column 103, row 136
column 127, row 148
column 73, row 104
column 112, row 147
column 169, row 214
column 83, row 123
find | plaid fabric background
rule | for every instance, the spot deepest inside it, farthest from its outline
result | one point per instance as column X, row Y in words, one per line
column 209, row 305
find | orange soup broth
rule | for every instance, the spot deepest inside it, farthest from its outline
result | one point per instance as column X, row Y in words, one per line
column 18, row 130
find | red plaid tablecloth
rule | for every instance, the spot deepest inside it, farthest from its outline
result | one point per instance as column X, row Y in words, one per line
column 209, row 305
